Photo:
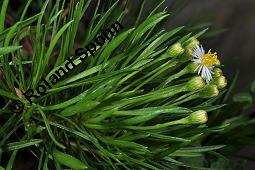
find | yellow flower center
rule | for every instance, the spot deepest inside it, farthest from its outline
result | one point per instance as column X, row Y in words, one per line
column 210, row 59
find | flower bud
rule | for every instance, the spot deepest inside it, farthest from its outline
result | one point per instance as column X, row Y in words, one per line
column 195, row 83
column 197, row 117
column 191, row 43
column 186, row 56
column 220, row 82
column 209, row 91
column 175, row 50
column 217, row 72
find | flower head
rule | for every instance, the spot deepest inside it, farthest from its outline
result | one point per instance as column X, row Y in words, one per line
column 198, row 117
column 191, row 43
column 195, row 83
column 205, row 61
column 217, row 72
column 220, row 82
column 209, row 91
column 175, row 50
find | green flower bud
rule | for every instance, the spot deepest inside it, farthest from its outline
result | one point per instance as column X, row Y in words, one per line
column 195, row 83
column 187, row 55
column 191, row 43
column 175, row 50
column 217, row 72
column 220, row 82
column 197, row 117
column 209, row 91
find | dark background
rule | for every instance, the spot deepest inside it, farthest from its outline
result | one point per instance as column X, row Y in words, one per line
column 236, row 46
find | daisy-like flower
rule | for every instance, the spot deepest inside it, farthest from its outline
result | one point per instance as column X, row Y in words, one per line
column 205, row 61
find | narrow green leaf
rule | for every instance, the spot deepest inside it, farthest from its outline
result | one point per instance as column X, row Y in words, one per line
column 168, row 138
column 100, row 23
column 10, row 49
column 55, row 16
column 185, row 154
column 68, row 160
column 8, row 94
column 123, row 143
column 22, row 144
column 146, row 25
column 201, row 149
column 66, row 103
column 113, row 45
column 82, row 74
column 21, row 25
column 82, row 135
column 55, row 40
column 243, row 98
column 200, row 33
column 209, row 108
column 25, row 10
column 3, row 13
column 79, row 107
column 50, row 131
column 11, row 161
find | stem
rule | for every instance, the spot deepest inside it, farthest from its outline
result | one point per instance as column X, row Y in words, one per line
column 50, row 131
column 180, row 121
column 184, row 98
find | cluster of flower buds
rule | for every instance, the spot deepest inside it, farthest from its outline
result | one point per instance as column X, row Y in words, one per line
column 200, row 75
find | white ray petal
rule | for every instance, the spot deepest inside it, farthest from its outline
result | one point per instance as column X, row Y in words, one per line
column 197, row 68
column 201, row 67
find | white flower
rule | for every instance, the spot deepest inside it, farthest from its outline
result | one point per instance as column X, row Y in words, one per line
column 205, row 61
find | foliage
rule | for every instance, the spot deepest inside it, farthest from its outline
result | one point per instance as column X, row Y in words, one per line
column 138, row 104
